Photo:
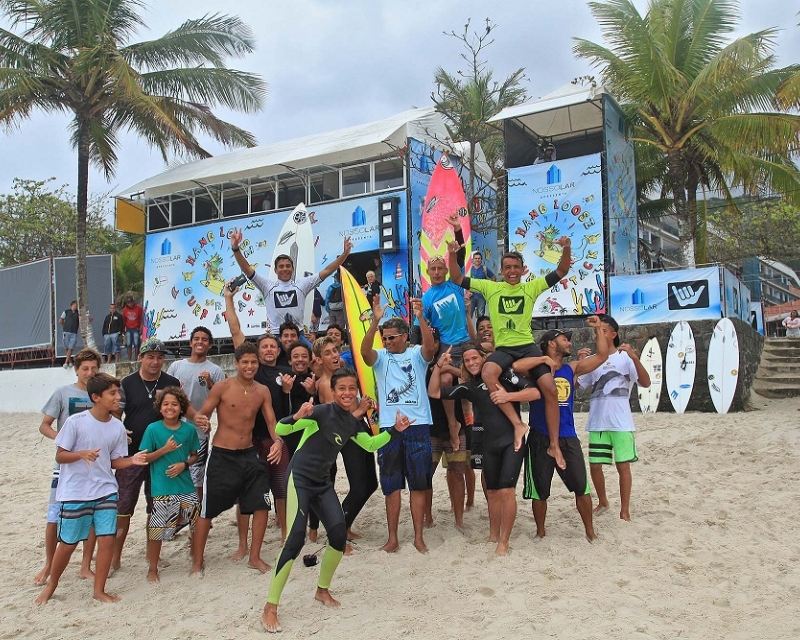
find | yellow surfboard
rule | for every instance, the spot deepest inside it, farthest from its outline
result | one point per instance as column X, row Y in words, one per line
column 359, row 317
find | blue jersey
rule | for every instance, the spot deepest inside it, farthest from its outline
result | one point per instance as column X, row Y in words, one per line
column 444, row 309
column 565, row 385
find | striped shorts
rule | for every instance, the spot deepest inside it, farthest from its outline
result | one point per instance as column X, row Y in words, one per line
column 171, row 511
column 78, row 517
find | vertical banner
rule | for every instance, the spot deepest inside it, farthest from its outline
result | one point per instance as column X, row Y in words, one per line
column 554, row 199
column 186, row 268
column 620, row 168
column 666, row 296
column 733, row 302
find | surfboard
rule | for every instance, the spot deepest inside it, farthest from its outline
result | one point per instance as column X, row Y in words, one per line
column 445, row 194
column 296, row 239
column 723, row 365
column 681, row 363
column 359, row 317
column 654, row 365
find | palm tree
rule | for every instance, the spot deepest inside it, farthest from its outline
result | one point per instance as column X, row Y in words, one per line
column 707, row 105
column 76, row 56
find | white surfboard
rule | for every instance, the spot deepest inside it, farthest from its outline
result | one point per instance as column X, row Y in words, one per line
column 654, row 365
column 296, row 239
column 681, row 363
column 723, row 365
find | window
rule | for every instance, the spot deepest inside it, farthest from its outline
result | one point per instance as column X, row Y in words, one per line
column 158, row 215
column 204, row 208
column 181, row 211
column 263, row 197
column 355, row 181
column 388, row 174
column 324, row 187
column 291, row 192
column 235, row 200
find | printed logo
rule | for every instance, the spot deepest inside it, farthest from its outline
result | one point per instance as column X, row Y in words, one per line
column 166, row 247
column 553, row 175
column 637, row 297
column 337, row 439
column 285, row 299
column 359, row 217
column 511, row 305
column 688, row 295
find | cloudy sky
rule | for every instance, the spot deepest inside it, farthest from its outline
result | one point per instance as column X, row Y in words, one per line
column 332, row 64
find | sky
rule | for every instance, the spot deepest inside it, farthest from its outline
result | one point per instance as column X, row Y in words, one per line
column 331, row 64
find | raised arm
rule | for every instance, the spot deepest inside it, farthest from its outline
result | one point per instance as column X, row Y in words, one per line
column 643, row 377
column 231, row 316
column 244, row 265
column 367, row 349
column 452, row 264
column 333, row 266
column 566, row 256
column 587, row 365
column 455, row 222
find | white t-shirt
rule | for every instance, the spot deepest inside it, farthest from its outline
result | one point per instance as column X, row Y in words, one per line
column 285, row 301
column 401, row 385
column 80, row 480
column 189, row 375
column 611, row 384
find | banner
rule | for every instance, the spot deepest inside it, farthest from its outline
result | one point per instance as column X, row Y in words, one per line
column 620, row 166
column 186, row 268
column 554, row 199
column 666, row 296
column 26, row 314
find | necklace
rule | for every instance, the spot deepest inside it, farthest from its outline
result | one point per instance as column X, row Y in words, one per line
column 245, row 389
column 150, row 392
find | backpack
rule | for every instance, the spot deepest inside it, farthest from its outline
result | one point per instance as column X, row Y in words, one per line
column 335, row 298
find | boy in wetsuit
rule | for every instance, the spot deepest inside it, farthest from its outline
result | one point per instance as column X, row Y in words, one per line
column 326, row 429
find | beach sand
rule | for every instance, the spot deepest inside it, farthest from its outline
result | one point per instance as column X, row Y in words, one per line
column 712, row 552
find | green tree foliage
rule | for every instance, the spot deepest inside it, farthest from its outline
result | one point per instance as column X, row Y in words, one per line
column 76, row 56
column 704, row 109
column 769, row 228
column 39, row 221
column 469, row 98
column 129, row 269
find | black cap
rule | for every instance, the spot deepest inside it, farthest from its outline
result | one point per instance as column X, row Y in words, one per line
column 552, row 335
column 607, row 319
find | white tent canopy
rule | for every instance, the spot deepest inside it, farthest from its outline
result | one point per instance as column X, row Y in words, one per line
column 569, row 109
column 332, row 148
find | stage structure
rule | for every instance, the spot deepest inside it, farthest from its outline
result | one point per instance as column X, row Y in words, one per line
column 367, row 182
column 571, row 173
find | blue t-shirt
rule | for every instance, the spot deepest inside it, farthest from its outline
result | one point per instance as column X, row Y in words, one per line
column 565, row 386
column 444, row 309
column 347, row 357
column 154, row 438
column 401, row 385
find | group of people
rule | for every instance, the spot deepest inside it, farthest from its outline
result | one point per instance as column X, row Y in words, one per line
column 116, row 324
column 292, row 407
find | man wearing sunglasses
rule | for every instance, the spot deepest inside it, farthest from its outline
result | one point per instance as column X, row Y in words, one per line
column 400, row 373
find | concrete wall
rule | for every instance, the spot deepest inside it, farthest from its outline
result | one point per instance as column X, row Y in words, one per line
column 751, row 344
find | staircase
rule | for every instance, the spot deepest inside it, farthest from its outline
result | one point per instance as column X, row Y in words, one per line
column 778, row 375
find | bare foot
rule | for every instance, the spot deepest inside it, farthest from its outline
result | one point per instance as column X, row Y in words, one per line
column 45, row 595
column 86, row 574
column 269, row 619
column 461, row 528
column 520, row 429
column 324, row 596
column 106, row 597
column 152, row 576
column 40, row 579
column 348, row 549
column 541, row 533
column 599, row 509
column 312, row 535
column 468, row 506
column 240, row 554
column 555, row 452
column 427, row 523
column 197, row 570
column 352, row 535
column 259, row 565
column 493, row 539
column 591, row 536
column 624, row 515
column 391, row 546
column 419, row 545
column 501, row 549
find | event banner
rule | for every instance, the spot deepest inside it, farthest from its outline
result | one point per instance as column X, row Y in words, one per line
column 554, row 199
column 623, row 227
column 666, row 296
column 737, row 296
column 186, row 268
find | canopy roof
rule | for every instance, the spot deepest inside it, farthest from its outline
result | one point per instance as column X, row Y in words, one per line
column 569, row 109
column 332, row 148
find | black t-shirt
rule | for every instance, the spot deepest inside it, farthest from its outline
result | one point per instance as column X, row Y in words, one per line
column 139, row 409
column 439, row 427
column 497, row 429
column 270, row 377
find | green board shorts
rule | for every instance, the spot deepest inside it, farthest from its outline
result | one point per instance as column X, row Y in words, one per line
column 603, row 443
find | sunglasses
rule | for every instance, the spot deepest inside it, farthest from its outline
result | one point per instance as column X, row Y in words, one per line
column 392, row 338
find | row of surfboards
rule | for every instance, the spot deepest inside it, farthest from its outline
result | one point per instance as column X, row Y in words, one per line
column 681, row 364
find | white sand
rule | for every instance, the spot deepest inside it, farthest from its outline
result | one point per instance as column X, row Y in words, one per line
column 712, row 552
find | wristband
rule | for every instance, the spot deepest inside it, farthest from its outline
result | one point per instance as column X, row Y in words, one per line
column 236, row 250
column 187, row 464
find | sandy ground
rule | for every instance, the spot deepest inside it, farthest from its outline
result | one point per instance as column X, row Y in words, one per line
column 712, row 552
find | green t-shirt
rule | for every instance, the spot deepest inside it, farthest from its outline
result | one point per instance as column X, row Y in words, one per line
column 156, row 437
column 510, row 308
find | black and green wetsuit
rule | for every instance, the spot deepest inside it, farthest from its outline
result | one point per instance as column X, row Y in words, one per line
column 325, row 432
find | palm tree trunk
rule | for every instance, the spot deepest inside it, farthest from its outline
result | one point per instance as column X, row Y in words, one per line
column 675, row 176
column 80, row 236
